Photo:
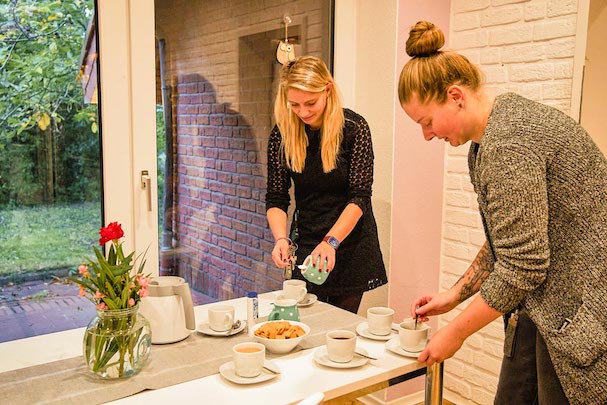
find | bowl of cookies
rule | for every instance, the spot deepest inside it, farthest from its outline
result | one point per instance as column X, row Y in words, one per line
column 280, row 336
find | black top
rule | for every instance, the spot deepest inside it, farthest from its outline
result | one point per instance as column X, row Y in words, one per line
column 321, row 198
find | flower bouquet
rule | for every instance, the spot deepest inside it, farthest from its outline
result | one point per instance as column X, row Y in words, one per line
column 117, row 341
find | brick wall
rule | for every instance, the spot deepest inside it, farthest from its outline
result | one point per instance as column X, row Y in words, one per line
column 220, row 61
column 521, row 46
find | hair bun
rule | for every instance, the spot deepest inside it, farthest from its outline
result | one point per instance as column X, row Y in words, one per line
column 425, row 39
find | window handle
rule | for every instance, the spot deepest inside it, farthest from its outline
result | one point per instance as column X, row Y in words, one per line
column 146, row 184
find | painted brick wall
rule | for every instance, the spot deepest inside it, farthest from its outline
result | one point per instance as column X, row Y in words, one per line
column 220, row 61
column 525, row 46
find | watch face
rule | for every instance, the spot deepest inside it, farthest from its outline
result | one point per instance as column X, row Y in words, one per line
column 333, row 242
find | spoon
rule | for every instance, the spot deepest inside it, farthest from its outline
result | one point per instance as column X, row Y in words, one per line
column 235, row 326
column 271, row 368
column 365, row 355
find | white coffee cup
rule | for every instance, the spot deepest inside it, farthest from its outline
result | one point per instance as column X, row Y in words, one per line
column 380, row 320
column 221, row 317
column 412, row 338
column 341, row 345
column 248, row 359
column 294, row 289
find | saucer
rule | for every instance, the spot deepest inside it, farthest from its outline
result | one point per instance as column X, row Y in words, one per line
column 205, row 329
column 363, row 330
column 228, row 372
column 308, row 299
column 322, row 358
column 394, row 346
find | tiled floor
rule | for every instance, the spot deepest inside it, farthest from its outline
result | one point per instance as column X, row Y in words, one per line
column 38, row 307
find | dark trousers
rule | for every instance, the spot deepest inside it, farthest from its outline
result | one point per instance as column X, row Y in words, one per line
column 528, row 377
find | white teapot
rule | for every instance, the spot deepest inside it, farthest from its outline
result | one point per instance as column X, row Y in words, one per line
column 169, row 309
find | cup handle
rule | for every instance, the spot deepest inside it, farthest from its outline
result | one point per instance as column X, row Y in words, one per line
column 302, row 294
column 229, row 319
column 273, row 315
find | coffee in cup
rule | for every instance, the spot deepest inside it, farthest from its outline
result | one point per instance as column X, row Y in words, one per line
column 294, row 289
column 341, row 345
column 221, row 317
column 379, row 320
column 413, row 338
column 248, row 359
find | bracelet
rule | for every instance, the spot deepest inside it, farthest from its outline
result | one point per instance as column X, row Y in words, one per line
column 284, row 238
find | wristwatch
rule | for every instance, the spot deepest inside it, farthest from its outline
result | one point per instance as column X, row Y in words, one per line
column 331, row 240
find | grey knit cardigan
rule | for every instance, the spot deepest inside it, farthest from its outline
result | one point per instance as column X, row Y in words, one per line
column 541, row 184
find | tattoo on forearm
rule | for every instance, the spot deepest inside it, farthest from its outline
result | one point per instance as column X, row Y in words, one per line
column 478, row 271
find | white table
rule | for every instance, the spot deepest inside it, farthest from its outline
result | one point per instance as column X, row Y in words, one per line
column 300, row 377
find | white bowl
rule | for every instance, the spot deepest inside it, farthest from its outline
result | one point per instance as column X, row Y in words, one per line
column 281, row 345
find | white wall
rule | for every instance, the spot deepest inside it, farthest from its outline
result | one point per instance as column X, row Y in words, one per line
column 407, row 192
column 364, row 70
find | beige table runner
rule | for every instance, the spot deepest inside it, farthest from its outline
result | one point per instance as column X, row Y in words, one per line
column 68, row 381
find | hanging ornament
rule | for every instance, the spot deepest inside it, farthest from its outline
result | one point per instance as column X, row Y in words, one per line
column 285, row 51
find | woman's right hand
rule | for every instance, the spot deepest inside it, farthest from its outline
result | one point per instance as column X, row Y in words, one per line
column 433, row 304
column 280, row 253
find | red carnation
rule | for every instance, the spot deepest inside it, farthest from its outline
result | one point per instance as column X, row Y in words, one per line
column 111, row 232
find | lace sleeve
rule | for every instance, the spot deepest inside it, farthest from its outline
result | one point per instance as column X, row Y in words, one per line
column 361, row 165
column 279, row 180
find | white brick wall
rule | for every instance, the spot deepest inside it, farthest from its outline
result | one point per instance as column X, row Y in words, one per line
column 525, row 46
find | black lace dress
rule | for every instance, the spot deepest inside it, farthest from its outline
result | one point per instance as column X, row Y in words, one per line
column 320, row 199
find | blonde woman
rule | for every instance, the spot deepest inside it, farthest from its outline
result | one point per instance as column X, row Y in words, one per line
column 325, row 151
column 541, row 184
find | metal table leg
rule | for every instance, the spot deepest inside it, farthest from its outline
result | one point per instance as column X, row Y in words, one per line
column 434, row 384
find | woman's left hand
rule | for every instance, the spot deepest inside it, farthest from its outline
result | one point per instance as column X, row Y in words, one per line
column 322, row 252
column 443, row 345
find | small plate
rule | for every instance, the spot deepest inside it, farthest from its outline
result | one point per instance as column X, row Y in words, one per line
column 205, row 329
column 308, row 299
column 394, row 346
column 228, row 372
column 363, row 330
column 322, row 358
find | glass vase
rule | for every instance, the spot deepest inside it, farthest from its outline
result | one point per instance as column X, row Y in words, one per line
column 117, row 343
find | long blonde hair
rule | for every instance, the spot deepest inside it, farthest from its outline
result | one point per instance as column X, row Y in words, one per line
column 308, row 73
column 431, row 72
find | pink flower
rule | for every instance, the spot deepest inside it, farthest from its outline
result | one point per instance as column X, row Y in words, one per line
column 82, row 292
column 101, row 306
column 83, row 269
column 131, row 302
column 143, row 292
column 143, row 281
column 98, row 295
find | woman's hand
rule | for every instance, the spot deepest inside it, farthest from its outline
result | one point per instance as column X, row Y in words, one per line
column 433, row 304
column 446, row 341
column 443, row 345
column 322, row 252
column 280, row 253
